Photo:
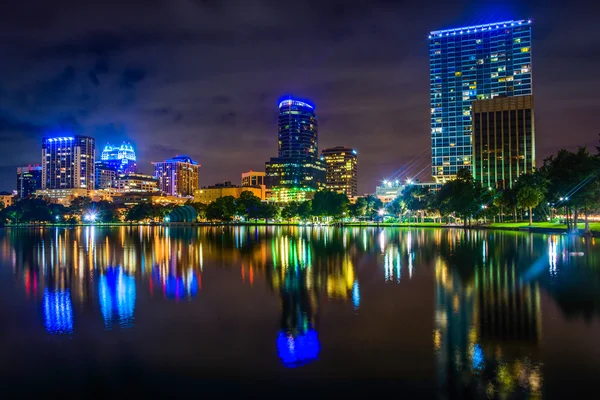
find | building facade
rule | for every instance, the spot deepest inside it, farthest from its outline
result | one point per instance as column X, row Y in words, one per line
column 105, row 174
column 136, row 183
column 122, row 157
column 177, row 176
column 68, row 162
column 253, row 178
column 211, row 193
column 29, row 179
column 503, row 140
column 6, row 199
column 466, row 64
column 341, row 164
column 298, row 171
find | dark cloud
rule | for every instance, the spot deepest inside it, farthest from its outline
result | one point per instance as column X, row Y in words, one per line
column 204, row 76
column 132, row 76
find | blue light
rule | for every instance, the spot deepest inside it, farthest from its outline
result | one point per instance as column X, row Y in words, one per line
column 356, row 295
column 298, row 350
column 290, row 103
column 116, row 293
column 58, row 312
column 478, row 358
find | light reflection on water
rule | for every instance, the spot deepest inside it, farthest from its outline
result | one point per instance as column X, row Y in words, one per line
column 487, row 315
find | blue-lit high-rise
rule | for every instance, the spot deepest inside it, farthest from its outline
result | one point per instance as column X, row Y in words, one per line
column 297, row 172
column 466, row 64
column 122, row 158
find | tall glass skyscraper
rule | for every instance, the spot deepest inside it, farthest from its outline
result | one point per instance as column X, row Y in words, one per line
column 68, row 162
column 472, row 63
column 297, row 171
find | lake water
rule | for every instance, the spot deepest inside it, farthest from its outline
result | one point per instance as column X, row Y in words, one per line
column 426, row 313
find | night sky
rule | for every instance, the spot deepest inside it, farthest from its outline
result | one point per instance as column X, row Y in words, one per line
column 203, row 77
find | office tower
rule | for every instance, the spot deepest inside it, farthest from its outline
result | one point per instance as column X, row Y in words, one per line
column 341, row 164
column 177, row 176
column 106, row 174
column 503, row 140
column 253, row 178
column 297, row 172
column 68, row 162
column 29, row 179
column 122, row 157
column 466, row 64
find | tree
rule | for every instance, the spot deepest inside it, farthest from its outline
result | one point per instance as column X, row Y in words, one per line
column 141, row 212
column 200, row 209
column 374, row 204
column 529, row 197
column 79, row 204
column 329, row 204
column 460, row 196
column 359, row 208
column 267, row 211
column 574, row 182
column 290, row 211
column 247, row 205
column 305, row 210
column 222, row 209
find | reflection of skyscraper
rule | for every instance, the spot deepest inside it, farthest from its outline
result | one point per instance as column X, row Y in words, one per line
column 486, row 328
column 297, row 341
column 116, row 291
column 176, row 285
column 58, row 311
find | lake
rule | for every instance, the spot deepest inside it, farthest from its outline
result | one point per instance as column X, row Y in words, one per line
column 428, row 313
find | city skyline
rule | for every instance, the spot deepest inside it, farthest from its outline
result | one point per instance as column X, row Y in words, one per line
column 366, row 102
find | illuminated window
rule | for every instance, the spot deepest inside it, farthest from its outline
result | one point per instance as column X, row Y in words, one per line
column 524, row 49
column 458, row 74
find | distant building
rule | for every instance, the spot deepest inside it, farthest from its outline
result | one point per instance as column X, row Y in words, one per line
column 177, row 176
column 122, row 157
column 29, row 179
column 253, row 178
column 211, row 193
column 341, row 164
column 6, row 199
column 65, row 196
column 127, row 200
column 297, row 172
column 136, row 183
column 390, row 189
column 106, row 173
column 466, row 64
column 503, row 140
column 68, row 162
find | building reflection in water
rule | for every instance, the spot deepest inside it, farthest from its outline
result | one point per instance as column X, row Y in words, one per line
column 487, row 321
column 58, row 311
column 116, row 291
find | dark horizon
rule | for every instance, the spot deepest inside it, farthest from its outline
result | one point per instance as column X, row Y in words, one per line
column 204, row 77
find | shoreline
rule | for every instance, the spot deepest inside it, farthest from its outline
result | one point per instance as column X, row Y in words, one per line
column 518, row 227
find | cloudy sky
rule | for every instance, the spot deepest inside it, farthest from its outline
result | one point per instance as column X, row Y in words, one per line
column 203, row 77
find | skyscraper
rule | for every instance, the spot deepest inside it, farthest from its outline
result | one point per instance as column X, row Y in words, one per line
column 120, row 157
column 341, row 164
column 29, row 179
column 503, row 140
column 297, row 171
column 68, row 162
column 472, row 63
column 106, row 174
column 177, row 176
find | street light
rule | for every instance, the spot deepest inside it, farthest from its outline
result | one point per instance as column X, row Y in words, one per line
column 381, row 212
column 91, row 216
column 409, row 181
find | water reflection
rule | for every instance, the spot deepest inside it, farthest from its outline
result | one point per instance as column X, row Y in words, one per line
column 487, row 287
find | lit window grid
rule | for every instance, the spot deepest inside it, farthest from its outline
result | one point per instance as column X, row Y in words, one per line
column 457, row 79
